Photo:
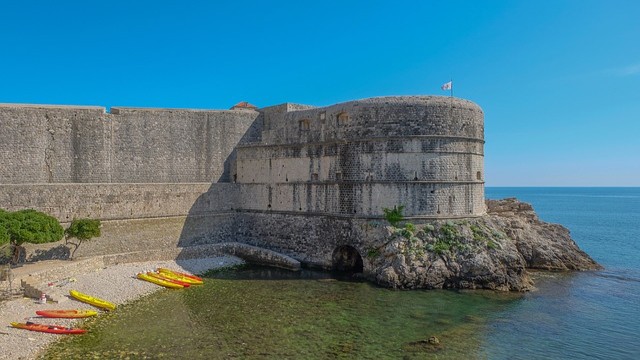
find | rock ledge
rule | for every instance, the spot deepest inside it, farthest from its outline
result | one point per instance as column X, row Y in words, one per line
column 490, row 252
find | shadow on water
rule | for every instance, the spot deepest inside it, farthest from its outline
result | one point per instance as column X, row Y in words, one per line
column 266, row 273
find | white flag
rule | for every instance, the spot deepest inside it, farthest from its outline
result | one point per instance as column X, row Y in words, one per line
column 447, row 85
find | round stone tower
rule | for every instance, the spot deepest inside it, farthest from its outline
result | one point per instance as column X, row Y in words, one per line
column 357, row 158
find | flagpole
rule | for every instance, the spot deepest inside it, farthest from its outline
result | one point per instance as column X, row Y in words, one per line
column 451, row 87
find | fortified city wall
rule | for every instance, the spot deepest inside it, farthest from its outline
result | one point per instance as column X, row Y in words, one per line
column 297, row 179
column 356, row 158
column 68, row 144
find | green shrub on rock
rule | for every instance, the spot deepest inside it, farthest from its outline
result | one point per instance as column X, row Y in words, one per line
column 394, row 216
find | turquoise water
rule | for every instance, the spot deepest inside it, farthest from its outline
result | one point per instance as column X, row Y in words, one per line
column 264, row 313
column 260, row 313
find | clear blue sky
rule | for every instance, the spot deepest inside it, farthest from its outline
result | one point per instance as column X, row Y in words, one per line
column 559, row 81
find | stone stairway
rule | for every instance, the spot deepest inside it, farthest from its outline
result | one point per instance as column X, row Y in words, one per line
column 9, row 288
column 35, row 291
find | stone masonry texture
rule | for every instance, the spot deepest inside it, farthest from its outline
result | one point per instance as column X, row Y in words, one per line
column 293, row 178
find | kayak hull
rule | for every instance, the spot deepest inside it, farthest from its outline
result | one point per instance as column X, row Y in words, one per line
column 175, row 276
column 151, row 279
column 51, row 329
column 68, row 314
column 177, row 273
column 163, row 277
column 91, row 300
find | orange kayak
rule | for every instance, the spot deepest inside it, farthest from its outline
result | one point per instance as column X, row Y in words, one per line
column 52, row 329
column 72, row 314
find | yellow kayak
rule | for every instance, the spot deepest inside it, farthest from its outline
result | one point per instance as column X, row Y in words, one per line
column 103, row 304
column 70, row 314
column 193, row 280
column 158, row 281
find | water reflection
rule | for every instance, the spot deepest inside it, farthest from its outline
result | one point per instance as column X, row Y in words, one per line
column 271, row 313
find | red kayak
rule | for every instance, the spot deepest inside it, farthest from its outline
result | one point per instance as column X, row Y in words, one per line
column 71, row 314
column 52, row 329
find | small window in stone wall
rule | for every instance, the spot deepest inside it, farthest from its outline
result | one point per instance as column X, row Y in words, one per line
column 304, row 124
column 338, row 176
column 343, row 118
column 479, row 175
column 314, row 177
column 322, row 116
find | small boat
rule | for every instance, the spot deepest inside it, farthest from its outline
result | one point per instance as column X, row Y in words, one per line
column 151, row 279
column 71, row 314
column 103, row 304
column 177, row 273
column 191, row 279
column 53, row 329
column 163, row 277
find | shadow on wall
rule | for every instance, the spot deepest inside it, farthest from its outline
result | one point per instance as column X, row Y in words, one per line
column 211, row 219
column 217, row 218
column 58, row 252
column 325, row 242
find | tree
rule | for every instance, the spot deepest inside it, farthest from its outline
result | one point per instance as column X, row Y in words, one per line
column 83, row 230
column 4, row 234
column 27, row 226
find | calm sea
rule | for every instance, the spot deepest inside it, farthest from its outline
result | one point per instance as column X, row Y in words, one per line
column 261, row 313
column 591, row 315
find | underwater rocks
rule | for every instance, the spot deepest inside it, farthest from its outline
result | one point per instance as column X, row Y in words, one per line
column 489, row 252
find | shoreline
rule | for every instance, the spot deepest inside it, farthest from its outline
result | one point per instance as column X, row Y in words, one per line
column 115, row 283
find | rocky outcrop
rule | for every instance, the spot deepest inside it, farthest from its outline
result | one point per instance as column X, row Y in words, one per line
column 490, row 252
column 543, row 246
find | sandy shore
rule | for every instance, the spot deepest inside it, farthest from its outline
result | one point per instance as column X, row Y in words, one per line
column 115, row 283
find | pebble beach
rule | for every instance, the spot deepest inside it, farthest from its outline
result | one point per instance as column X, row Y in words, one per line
column 116, row 284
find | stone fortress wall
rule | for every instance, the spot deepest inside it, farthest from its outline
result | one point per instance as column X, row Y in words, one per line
column 170, row 177
column 68, row 144
column 356, row 158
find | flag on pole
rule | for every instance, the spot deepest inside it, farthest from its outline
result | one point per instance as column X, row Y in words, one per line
column 447, row 86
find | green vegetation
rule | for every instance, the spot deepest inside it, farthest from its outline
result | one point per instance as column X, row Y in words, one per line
column 27, row 226
column 451, row 237
column 394, row 216
column 373, row 253
column 4, row 233
column 480, row 235
column 83, row 230
column 410, row 227
column 447, row 239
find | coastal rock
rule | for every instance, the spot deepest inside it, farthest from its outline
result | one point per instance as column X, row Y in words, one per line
column 490, row 252
column 544, row 246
